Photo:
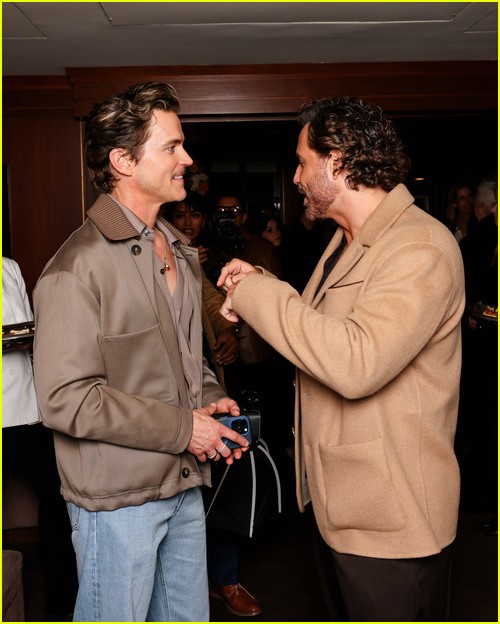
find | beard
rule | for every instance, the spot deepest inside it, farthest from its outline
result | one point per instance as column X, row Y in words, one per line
column 320, row 195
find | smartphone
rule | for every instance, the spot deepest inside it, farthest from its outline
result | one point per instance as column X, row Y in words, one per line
column 247, row 424
column 240, row 424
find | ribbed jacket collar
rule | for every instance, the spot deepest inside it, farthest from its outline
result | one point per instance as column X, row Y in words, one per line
column 110, row 219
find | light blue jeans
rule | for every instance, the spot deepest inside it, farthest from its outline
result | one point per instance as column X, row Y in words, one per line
column 144, row 563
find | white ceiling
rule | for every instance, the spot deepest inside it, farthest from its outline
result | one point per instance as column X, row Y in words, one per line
column 45, row 38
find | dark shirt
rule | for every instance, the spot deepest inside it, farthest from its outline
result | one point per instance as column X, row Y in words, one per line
column 303, row 250
column 331, row 261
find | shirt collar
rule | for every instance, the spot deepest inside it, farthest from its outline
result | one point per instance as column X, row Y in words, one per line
column 144, row 230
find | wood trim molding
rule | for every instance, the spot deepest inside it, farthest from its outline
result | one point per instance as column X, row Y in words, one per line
column 268, row 91
column 37, row 96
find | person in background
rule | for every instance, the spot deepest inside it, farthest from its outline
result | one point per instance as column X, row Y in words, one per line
column 252, row 248
column 375, row 338
column 238, row 242
column 121, row 377
column 270, row 228
column 28, row 451
column 254, row 369
column 190, row 216
column 255, row 374
column 460, row 209
column 185, row 220
column 479, row 247
column 477, row 433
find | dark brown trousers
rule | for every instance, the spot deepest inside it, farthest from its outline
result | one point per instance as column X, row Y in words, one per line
column 365, row 589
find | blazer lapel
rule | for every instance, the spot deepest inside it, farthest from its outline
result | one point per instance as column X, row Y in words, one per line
column 385, row 215
column 345, row 263
column 351, row 256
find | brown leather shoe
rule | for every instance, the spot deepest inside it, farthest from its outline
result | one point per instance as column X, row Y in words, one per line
column 237, row 599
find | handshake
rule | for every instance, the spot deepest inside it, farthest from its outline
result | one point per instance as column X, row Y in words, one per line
column 232, row 273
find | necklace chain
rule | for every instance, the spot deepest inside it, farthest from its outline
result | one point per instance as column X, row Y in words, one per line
column 166, row 266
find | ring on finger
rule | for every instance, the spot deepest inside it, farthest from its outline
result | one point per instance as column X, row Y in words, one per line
column 221, row 449
column 212, row 456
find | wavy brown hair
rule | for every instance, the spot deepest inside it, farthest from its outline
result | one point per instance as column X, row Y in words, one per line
column 123, row 121
column 371, row 152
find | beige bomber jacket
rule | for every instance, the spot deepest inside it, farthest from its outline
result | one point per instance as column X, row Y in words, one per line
column 108, row 370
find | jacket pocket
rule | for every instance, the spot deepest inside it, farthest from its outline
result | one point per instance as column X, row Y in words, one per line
column 358, row 489
column 128, row 360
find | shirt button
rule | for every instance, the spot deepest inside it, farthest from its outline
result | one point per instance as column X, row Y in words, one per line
column 186, row 472
column 136, row 250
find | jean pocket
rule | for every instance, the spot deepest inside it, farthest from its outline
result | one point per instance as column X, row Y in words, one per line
column 74, row 515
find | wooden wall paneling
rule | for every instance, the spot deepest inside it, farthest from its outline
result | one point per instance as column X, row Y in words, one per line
column 40, row 96
column 44, row 159
column 265, row 90
column 280, row 89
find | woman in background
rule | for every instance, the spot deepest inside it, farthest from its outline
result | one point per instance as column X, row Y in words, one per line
column 190, row 216
column 460, row 210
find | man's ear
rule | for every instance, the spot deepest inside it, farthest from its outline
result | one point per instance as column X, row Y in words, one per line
column 121, row 161
column 335, row 162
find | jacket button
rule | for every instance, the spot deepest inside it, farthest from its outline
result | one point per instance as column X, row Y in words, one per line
column 186, row 472
column 136, row 250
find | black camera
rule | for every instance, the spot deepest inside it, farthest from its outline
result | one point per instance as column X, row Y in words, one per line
column 247, row 424
column 226, row 233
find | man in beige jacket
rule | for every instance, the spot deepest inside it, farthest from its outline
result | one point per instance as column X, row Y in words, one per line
column 121, row 378
column 375, row 338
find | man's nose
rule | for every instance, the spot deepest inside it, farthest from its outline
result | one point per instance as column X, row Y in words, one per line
column 186, row 158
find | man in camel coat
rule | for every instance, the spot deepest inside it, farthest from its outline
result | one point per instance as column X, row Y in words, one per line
column 375, row 338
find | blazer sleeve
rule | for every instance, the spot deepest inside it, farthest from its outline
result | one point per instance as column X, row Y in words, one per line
column 357, row 349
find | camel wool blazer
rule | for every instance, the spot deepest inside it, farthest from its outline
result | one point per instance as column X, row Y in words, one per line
column 378, row 357
column 108, row 368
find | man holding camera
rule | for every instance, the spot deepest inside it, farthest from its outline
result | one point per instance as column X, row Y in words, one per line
column 251, row 248
column 252, row 371
column 254, row 250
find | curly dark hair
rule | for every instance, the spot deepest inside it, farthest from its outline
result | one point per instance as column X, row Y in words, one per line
column 371, row 152
column 123, row 121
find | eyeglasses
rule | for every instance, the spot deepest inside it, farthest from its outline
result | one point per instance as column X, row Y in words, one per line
column 235, row 210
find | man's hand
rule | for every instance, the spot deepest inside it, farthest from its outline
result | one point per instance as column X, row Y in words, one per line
column 226, row 347
column 206, row 439
column 234, row 272
column 230, row 276
column 227, row 308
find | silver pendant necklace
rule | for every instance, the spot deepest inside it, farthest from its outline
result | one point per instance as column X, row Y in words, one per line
column 166, row 266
